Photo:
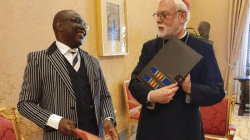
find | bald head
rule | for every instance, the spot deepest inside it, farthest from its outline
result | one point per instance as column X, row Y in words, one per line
column 69, row 28
column 61, row 15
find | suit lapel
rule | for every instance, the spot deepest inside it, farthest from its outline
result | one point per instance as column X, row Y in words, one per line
column 57, row 60
column 91, row 71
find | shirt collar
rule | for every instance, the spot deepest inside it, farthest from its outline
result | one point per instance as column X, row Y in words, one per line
column 64, row 48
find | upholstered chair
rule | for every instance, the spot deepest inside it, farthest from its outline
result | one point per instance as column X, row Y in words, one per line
column 9, row 124
column 133, row 108
column 218, row 119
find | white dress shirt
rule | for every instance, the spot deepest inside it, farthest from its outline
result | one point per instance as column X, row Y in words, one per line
column 66, row 51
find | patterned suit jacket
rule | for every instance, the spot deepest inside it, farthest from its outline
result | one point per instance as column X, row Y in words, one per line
column 47, row 89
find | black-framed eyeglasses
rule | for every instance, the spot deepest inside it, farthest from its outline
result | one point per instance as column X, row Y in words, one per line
column 163, row 15
column 78, row 21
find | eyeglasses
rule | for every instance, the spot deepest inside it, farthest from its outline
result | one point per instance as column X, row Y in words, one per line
column 78, row 21
column 163, row 15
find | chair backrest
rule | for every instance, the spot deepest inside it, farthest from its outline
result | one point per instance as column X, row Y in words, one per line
column 9, row 124
column 128, row 95
column 215, row 118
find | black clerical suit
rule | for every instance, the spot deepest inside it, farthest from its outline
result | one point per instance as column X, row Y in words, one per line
column 178, row 120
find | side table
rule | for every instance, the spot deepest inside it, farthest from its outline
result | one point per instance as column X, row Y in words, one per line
column 244, row 97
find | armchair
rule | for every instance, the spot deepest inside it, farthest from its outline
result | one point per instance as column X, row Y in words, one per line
column 218, row 119
column 133, row 108
column 9, row 124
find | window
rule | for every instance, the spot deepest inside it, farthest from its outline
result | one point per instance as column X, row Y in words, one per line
column 244, row 57
column 242, row 67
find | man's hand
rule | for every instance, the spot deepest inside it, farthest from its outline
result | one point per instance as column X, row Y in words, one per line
column 164, row 94
column 66, row 128
column 110, row 130
column 186, row 85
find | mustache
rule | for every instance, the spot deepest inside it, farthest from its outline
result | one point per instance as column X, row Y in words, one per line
column 161, row 25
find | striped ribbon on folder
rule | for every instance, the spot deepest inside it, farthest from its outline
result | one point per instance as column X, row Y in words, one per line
column 159, row 76
column 151, row 81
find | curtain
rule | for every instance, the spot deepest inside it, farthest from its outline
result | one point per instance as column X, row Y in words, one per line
column 237, row 15
column 240, row 66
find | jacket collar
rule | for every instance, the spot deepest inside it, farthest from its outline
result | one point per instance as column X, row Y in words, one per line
column 52, row 48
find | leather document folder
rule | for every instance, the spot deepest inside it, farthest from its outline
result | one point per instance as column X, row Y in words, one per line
column 171, row 64
column 84, row 135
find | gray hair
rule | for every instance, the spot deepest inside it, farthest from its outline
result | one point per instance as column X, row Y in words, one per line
column 181, row 6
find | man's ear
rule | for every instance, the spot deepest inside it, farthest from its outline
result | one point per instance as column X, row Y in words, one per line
column 183, row 16
column 59, row 26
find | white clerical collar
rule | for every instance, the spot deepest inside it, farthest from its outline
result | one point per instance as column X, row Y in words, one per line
column 183, row 35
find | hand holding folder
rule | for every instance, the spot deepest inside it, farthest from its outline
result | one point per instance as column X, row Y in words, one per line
column 164, row 94
column 84, row 135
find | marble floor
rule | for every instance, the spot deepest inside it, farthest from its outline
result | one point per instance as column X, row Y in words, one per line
column 242, row 124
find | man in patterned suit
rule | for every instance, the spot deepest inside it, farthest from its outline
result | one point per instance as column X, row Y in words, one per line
column 172, row 112
column 64, row 87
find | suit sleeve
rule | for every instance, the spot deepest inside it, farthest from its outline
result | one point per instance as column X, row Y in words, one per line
column 137, row 88
column 210, row 88
column 106, row 104
column 30, row 94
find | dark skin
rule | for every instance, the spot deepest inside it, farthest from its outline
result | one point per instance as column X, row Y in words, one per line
column 70, row 33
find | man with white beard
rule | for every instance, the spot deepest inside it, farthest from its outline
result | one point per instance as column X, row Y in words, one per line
column 172, row 112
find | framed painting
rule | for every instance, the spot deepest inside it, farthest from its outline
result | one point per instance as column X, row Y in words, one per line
column 112, row 27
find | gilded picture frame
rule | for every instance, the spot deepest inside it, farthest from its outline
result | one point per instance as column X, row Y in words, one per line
column 112, row 27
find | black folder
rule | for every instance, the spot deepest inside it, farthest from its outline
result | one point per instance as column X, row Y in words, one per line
column 171, row 64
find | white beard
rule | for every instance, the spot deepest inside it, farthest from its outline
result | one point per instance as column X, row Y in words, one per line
column 168, row 32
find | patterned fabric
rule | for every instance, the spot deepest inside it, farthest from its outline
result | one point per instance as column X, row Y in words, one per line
column 151, row 81
column 130, row 97
column 6, row 129
column 232, row 127
column 75, row 59
column 214, row 118
column 159, row 76
column 46, row 81
column 135, row 116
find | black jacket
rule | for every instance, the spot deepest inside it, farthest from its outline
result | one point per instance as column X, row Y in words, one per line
column 178, row 120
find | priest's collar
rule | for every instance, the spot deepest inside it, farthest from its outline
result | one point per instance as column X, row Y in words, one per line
column 182, row 38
